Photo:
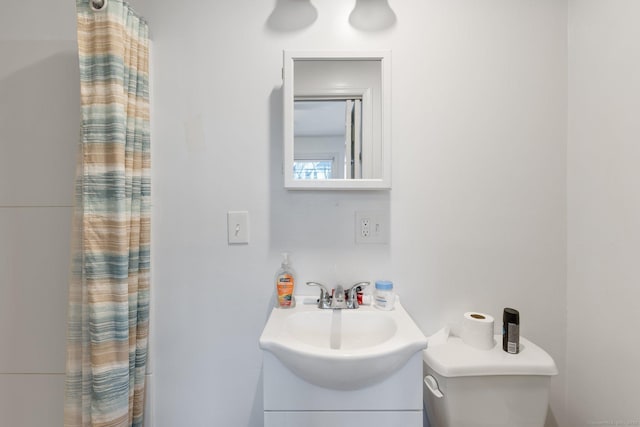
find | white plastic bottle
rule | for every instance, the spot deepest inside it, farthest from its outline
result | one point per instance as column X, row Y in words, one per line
column 384, row 297
column 285, row 284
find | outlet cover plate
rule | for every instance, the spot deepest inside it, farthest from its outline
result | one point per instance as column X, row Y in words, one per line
column 372, row 227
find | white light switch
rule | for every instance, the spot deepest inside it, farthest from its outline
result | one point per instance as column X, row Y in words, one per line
column 238, row 227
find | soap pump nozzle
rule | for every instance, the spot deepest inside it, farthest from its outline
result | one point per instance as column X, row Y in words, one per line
column 285, row 259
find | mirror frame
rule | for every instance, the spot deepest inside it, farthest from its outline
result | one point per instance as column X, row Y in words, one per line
column 290, row 57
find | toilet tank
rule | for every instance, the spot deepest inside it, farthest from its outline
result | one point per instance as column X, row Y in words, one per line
column 465, row 387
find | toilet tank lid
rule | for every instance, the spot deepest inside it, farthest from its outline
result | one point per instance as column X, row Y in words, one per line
column 454, row 358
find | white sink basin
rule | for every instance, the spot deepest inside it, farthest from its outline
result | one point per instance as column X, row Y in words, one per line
column 342, row 349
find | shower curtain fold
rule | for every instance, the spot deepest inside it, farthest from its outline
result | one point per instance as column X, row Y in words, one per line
column 108, row 316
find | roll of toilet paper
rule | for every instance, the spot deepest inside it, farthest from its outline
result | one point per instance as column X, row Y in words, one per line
column 477, row 330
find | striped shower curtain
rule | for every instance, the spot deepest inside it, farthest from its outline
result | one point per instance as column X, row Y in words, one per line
column 108, row 321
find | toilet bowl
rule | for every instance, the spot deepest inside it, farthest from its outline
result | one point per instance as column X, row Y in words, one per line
column 467, row 387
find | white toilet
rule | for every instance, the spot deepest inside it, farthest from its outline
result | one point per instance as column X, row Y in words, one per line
column 467, row 387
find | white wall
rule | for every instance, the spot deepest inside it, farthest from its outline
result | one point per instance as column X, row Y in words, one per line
column 39, row 119
column 478, row 201
column 604, row 213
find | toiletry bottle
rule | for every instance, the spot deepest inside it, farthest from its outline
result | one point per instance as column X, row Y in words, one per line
column 511, row 331
column 285, row 283
column 384, row 296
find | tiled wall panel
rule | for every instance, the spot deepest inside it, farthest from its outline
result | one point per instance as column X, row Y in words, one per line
column 31, row 400
column 39, row 128
column 34, row 266
column 39, row 122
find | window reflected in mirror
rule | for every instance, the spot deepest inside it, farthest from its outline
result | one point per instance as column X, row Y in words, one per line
column 313, row 169
column 327, row 135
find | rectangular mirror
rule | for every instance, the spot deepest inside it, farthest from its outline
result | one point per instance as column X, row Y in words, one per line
column 337, row 132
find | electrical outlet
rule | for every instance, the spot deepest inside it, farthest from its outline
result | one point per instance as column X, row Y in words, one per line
column 364, row 228
column 372, row 227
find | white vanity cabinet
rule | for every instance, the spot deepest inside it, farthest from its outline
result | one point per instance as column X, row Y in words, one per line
column 290, row 401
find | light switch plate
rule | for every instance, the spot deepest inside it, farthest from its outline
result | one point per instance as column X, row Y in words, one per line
column 238, row 227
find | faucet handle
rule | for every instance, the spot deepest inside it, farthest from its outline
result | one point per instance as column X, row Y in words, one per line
column 352, row 293
column 360, row 285
column 325, row 295
column 322, row 287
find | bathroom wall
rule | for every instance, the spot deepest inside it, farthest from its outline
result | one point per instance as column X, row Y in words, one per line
column 478, row 218
column 604, row 213
column 39, row 119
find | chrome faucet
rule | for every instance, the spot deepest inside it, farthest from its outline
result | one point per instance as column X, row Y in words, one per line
column 339, row 300
column 325, row 296
column 352, row 294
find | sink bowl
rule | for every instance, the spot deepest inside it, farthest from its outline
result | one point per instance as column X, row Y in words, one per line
column 342, row 349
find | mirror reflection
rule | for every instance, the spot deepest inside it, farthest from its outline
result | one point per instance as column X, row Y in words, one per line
column 327, row 139
column 336, row 120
